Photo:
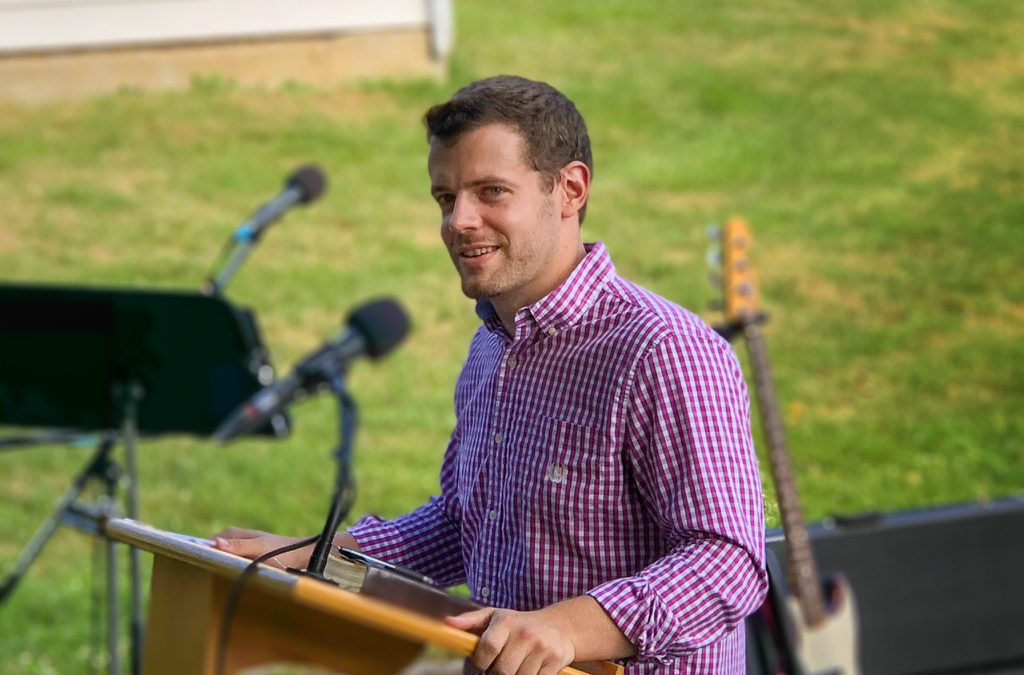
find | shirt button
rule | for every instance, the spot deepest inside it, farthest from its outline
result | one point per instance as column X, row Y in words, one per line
column 512, row 361
column 493, row 515
column 552, row 330
column 498, row 438
column 485, row 592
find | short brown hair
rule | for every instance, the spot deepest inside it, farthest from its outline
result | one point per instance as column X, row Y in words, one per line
column 551, row 127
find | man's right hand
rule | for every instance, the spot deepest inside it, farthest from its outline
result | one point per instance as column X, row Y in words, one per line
column 254, row 543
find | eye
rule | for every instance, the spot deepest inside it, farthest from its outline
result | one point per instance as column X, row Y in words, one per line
column 445, row 200
column 493, row 192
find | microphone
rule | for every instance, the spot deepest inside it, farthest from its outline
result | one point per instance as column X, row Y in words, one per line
column 303, row 186
column 373, row 330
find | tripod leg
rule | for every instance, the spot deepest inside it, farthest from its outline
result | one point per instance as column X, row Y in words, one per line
column 133, row 554
column 130, row 433
column 136, row 627
column 113, row 629
column 32, row 551
column 95, row 466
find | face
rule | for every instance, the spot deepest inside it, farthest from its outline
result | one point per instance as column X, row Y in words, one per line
column 505, row 231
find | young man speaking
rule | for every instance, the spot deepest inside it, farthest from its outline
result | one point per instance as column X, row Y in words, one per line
column 600, row 493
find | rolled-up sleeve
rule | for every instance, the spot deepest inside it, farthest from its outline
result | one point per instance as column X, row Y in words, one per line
column 691, row 452
column 427, row 539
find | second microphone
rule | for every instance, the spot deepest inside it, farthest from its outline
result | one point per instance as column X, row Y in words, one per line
column 372, row 330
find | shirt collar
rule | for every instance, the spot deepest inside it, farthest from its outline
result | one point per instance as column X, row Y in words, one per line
column 566, row 304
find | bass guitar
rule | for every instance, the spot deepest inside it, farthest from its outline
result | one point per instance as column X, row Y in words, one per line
column 823, row 616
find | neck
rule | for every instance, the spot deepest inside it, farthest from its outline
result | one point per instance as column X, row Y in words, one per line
column 507, row 308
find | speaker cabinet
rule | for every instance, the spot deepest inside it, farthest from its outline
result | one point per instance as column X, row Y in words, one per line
column 938, row 591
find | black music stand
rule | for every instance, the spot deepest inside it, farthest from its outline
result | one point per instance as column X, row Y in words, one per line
column 122, row 364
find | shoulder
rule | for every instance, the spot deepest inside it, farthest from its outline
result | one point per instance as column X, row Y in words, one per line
column 682, row 361
column 654, row 320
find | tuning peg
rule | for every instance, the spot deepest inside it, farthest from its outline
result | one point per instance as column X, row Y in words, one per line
column 713, row 257
column 713, row 231
column 740, row 241
column 715, row 279
column 716, row 304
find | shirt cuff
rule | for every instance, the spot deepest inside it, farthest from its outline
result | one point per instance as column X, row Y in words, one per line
column 633, row 607
column 675, row 607
column 424, row 540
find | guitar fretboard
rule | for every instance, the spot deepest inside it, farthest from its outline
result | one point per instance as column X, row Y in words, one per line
column 798, row 542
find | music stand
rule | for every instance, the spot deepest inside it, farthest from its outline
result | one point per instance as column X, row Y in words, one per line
column 122, row 363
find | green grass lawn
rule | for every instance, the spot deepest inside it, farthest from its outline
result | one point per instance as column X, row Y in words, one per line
column 874, row 148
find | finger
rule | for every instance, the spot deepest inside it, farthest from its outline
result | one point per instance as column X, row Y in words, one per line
column 516, row 657
column 520, row 652
column 238, row 533
column 251, row 548
column 552, row 666
column 475, row 621
column 528, row 657
column 492, row 642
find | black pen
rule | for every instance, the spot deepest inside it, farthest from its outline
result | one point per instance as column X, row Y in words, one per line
column 356, row 556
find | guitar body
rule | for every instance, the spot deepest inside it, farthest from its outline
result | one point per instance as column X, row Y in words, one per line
column 831, row 646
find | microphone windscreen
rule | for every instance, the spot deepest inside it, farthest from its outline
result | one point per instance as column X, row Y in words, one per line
column 309, row 180
column 382, row 324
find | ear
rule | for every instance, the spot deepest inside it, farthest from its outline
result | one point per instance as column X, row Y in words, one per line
column 575, row 187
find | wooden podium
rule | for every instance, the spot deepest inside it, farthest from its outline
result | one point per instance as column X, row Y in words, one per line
column 280, row 617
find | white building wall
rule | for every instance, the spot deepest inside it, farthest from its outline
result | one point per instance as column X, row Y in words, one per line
column 49, row 25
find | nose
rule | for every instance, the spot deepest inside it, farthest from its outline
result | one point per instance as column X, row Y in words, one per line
column 464, row 214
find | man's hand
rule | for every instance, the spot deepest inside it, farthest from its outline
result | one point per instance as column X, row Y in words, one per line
column 542, row 641
column 254, row 543
column 516, row 642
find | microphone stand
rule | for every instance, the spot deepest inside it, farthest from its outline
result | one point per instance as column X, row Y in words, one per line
column 344, row 490
column 231, row 257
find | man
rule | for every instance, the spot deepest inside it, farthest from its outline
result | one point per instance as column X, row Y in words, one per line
column 600, row 492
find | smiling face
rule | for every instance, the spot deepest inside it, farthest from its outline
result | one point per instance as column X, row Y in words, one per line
column 512, row 236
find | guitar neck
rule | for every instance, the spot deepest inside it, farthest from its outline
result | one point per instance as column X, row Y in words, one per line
column 798, row 544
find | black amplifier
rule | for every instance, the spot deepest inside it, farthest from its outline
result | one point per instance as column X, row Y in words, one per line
column 937, row 591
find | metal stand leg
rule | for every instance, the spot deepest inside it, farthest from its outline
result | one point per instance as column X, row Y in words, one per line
column 113, row 610
column 98, row 467
column 89, row 518
column 135, row 565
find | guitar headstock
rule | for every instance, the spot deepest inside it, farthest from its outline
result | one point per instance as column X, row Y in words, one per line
column 739, row 292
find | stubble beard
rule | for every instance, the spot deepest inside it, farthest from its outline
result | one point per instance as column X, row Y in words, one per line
column 515, row 268
column 482, row 287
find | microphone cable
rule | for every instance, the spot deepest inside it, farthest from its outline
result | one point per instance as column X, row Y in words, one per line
column 235, row 594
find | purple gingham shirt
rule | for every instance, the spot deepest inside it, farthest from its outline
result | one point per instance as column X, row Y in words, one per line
column 604, row 449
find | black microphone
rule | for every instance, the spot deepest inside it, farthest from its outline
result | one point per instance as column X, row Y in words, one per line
column 303, row 186
column 373, row 330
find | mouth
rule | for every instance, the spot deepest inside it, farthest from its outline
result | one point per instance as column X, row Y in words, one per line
column 477, row 252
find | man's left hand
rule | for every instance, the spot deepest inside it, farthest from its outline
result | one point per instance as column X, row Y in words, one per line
column 542, row 641
column 516, row 642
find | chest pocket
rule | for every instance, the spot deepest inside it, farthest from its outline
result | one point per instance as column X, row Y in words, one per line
column 574, row 473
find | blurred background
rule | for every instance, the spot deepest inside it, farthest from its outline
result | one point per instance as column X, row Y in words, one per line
column 873, row 147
